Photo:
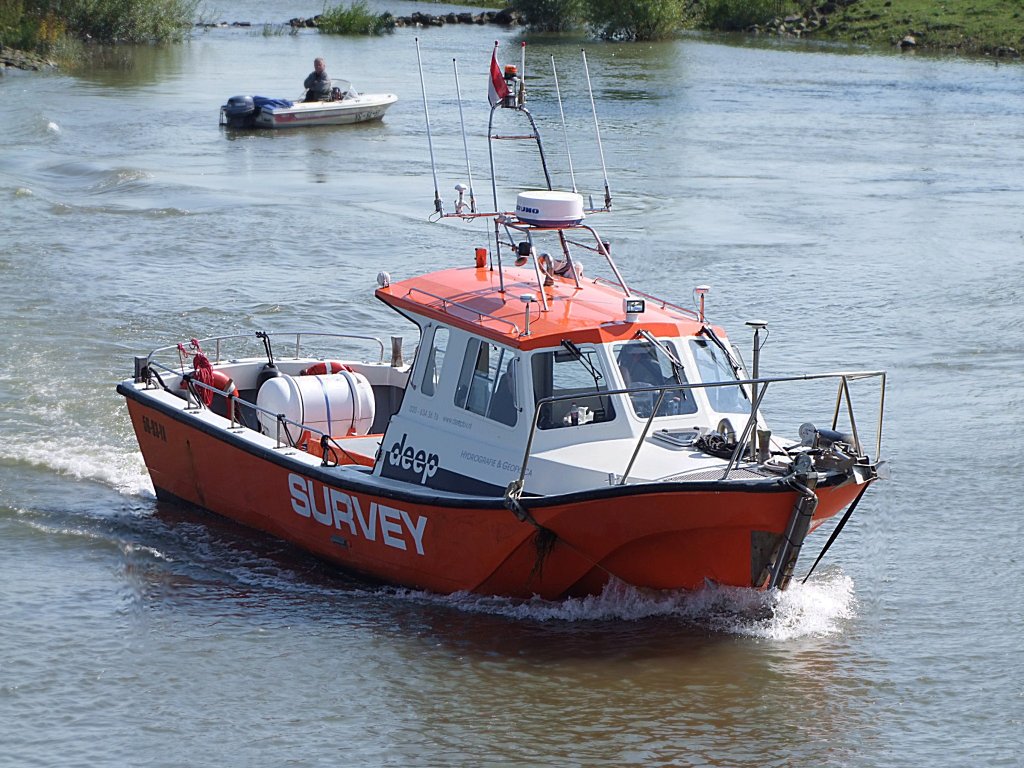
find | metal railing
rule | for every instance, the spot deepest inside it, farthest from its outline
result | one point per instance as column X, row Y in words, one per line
column 283, row 437
column 684, row 312
column 465, row 308
column 298, row 336
column 761, row 384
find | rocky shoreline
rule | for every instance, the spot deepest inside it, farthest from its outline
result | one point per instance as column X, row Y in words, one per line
column 11, row 58
column 505, row 18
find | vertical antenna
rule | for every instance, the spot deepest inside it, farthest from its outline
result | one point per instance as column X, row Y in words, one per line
column 565, row 133
column 597, row 128
column 465, row 143
column 522, row 72
column 438, row 206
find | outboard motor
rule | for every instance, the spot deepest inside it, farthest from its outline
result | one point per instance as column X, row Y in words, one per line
column 239, row 112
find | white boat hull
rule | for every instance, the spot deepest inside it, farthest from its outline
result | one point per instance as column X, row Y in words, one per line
column 358, row 109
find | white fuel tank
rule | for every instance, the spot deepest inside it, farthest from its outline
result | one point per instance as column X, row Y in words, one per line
column 337, row 404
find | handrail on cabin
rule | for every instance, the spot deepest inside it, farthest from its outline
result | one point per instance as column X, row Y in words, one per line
column 685, row 311
column 464, row 307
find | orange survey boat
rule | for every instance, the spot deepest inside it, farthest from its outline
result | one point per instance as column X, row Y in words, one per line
column 552, row 433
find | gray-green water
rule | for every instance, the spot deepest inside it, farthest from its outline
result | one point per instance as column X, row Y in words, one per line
column 868, row 206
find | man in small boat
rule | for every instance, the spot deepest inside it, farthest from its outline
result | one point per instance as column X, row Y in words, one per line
column 318, row 84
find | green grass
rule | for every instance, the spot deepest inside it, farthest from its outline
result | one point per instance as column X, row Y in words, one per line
column 969, row 26
column 278, row 30
column 356, row 19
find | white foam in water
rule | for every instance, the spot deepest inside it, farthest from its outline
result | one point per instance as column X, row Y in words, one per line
column 129, row 548
column 819, row 607
column 125, row 472
column 52, row 127
column 816, row 608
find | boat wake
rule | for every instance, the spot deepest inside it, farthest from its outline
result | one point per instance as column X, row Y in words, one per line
column 80, row 459
column 168, row 544
column 818, row 608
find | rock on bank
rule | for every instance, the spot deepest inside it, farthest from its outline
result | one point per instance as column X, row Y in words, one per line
column 11, row 58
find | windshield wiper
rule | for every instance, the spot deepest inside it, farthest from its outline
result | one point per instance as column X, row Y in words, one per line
column 577, row 354
column 677, row 367
column 737, row 370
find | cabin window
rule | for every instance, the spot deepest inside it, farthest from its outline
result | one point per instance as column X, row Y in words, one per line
column 645, row 364
column 714, row 365
column 576, row 372
column 435, row 357
column 487, row 382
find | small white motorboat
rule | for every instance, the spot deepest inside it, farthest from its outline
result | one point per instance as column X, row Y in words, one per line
column 345, row 108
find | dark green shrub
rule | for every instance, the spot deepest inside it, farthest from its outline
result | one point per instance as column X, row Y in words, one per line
column 357, row 19
column 637, row 20
column 739, row 14
column 30, row 27
column 551, row 15
column 130, row 21
column 42, row 24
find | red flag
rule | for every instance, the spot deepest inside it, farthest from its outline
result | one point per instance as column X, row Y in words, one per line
column 497, row 89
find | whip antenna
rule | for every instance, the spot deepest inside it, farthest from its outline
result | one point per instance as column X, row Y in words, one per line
column 597, row 128
column 522, row 72
column 565, row 133
column 438, row 206
column 465, row 144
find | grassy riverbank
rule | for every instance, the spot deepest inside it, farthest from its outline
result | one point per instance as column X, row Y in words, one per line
column 970, row 27
column 965, row 26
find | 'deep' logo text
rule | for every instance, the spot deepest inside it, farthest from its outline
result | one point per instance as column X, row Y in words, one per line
column 407, row 459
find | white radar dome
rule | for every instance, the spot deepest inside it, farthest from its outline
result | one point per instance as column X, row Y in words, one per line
column 546, row 208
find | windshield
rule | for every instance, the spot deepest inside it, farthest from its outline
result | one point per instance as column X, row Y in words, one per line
column 571, row 371
column 713, row 365
column 644, row 364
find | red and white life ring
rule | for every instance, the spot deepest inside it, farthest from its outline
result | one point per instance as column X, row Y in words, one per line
column 220, row 381
column 325, row 367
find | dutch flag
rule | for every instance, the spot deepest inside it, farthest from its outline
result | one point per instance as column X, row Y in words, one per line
column 497, row 89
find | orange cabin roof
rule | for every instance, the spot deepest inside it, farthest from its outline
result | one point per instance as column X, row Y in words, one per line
column 469, row 298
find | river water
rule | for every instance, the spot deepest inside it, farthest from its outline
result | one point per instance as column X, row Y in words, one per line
column 868, row 206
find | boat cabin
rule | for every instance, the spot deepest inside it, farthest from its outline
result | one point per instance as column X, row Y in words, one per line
column 501, row 350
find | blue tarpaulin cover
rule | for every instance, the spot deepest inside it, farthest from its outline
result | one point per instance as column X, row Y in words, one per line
column 264, row 101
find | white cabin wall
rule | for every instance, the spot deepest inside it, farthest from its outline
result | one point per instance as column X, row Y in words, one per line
column 433, row 442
